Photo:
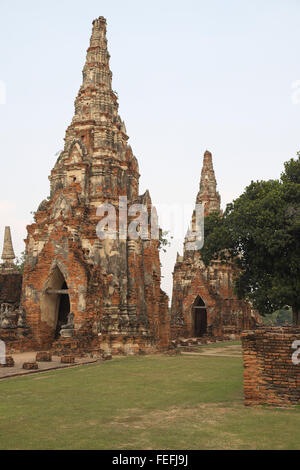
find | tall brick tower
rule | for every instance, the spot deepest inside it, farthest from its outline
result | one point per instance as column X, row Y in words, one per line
column 203, row 301
column 111, row 286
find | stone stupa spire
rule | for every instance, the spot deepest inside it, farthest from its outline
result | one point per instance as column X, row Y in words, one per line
column 8, row 254
column 96, row 100
column 97, row 135
column 96, row 69
column 208, row 193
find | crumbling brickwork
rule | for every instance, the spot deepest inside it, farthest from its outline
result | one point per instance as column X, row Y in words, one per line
column 203, row 301
column 10, row 277
column 10, row 288
column 111, row 286
column 270, row 376
column 13, row 328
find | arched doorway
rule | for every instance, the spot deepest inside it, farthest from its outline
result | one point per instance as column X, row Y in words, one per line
column 55, row 302
column 63, row 309
column 199, row 317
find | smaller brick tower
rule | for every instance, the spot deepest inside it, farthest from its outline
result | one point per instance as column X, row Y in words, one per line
column 203, row 301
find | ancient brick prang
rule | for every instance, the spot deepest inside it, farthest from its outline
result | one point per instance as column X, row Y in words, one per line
column 203, row 301
column 97, row 289
column 272, row 366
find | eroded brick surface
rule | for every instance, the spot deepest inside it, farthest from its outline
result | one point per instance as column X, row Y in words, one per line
column 30, row 366
column 43, row 356
column 68, row 360
column 9, row 362
column 10, row 288
column 13, row 328
column 270, row 376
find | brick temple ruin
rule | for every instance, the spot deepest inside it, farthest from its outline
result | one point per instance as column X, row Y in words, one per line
column 81, row 292
column 78, row 289
column 203, row 301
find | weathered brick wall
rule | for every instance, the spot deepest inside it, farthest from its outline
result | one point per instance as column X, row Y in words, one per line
column 270, row 377
column 10, row 288
column 16, row 338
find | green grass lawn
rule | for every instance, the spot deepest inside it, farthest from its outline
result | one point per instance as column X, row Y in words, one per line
column 150, row 402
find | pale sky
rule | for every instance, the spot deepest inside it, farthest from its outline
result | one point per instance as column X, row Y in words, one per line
column 190, row 76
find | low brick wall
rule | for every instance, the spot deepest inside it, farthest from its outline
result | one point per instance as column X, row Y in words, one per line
column 18, row 340
column 270, row 376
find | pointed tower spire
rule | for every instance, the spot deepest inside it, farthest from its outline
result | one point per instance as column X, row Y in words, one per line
column 208, row 193
column 8, row 254
column 96, row 70
column 96, row 135
column 96, row 98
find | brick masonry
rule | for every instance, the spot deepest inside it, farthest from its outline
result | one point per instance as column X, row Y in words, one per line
column 10, row 288
column 30, row 366
column 212, row 286
column 270, row 377
column 43, row 356
column 17, row 335
column 68, row 360
column 9, row 362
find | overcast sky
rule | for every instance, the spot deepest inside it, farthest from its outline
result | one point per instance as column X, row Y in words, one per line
column 193, row 75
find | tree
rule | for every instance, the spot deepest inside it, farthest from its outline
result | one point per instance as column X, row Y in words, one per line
column 260, row 233
column 279, row 318
column 20, row 262
column 164, row 241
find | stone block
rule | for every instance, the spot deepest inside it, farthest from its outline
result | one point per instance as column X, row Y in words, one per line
column 30, row 365
column 43, row 356
column 67, row 360
column 106, row 356
column 9, row 362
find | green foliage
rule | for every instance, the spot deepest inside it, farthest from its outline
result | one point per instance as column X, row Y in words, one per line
column 20, row 262
column 164, row 241
column 279, row 318
column 261, row 231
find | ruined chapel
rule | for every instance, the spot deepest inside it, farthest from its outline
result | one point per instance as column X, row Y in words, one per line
column 203, row 300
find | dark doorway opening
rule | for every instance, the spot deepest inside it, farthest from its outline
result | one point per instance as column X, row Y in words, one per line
column 63, row 310
column 199, row 317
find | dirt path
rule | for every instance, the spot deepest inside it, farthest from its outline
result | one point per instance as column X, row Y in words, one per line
column 225, row 351
column 20, row 358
